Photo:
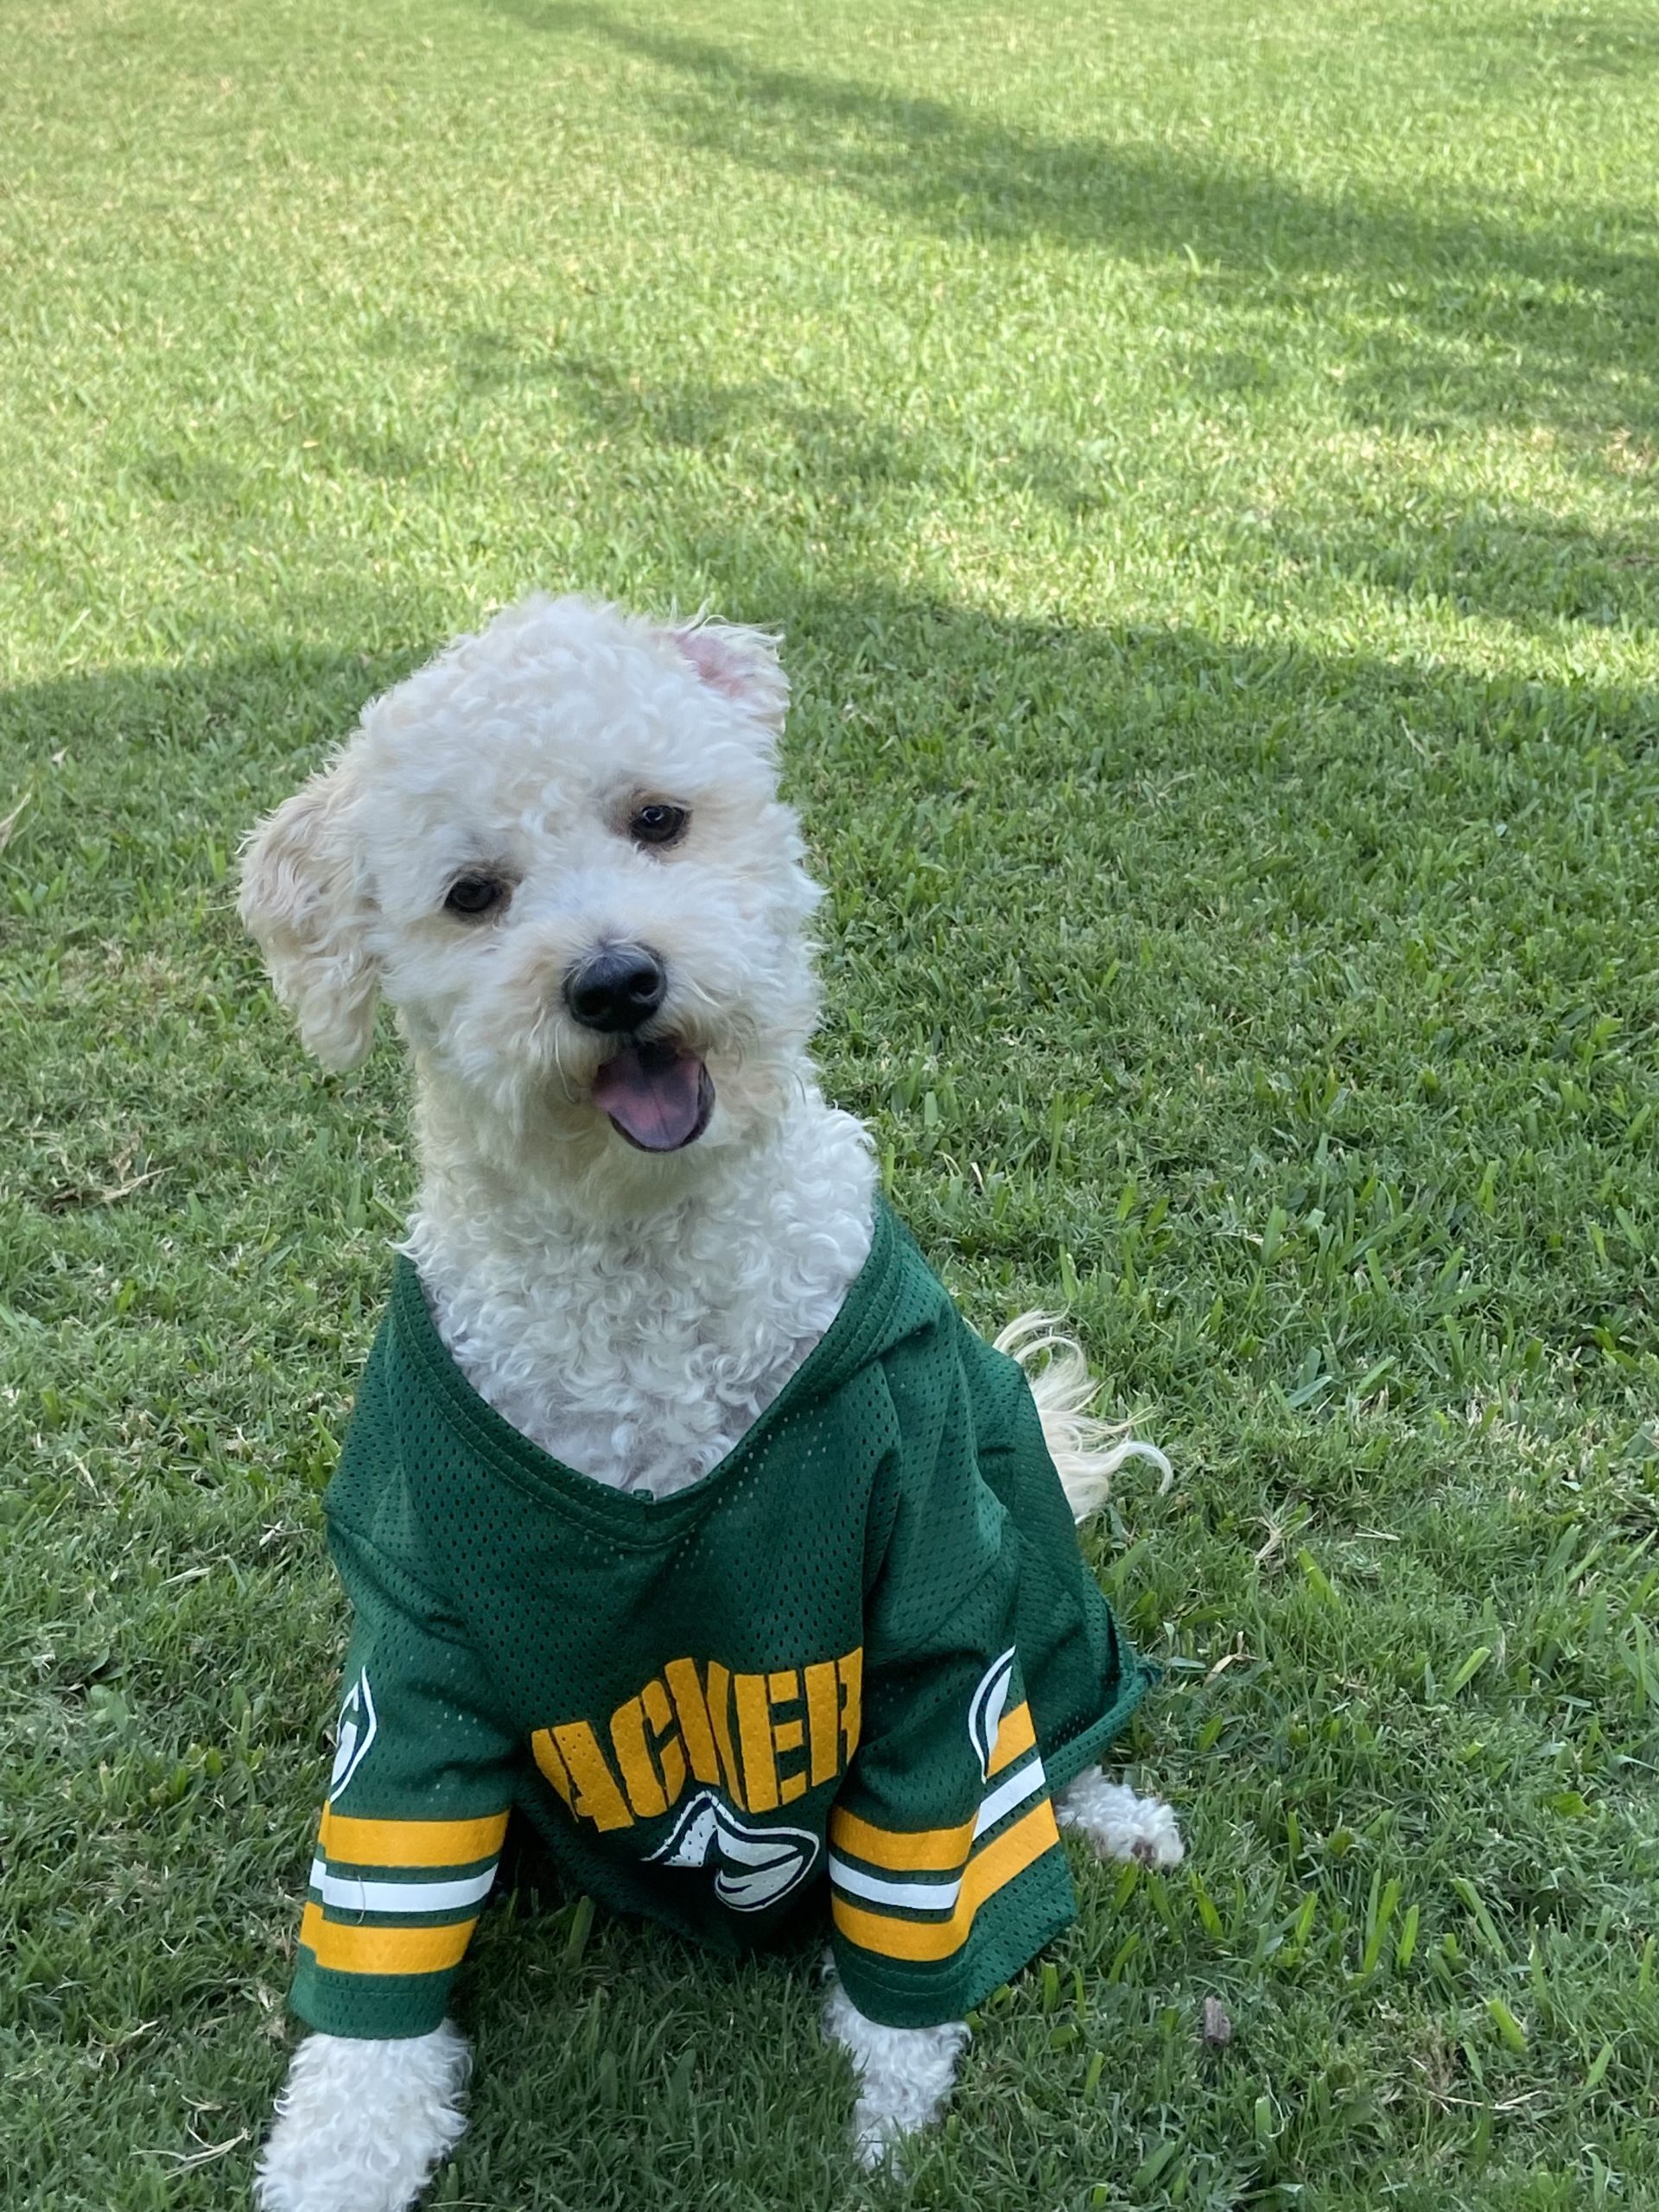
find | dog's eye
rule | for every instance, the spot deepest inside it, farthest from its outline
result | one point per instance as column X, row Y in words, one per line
column 474, row 894
column 657, row 824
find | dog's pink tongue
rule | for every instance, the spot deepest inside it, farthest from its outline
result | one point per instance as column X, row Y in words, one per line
column 658, row 1097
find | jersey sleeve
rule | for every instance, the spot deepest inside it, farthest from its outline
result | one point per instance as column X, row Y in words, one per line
column 946, row 1871
column 415, row 1814
column 1082, row 1676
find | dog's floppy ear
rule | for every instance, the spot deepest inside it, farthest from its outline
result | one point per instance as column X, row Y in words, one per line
column 303, row 901
column 741, row 664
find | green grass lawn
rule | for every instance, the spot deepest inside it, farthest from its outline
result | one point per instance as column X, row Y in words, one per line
column 1205, row 460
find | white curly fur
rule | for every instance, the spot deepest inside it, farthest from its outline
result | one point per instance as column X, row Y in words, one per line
column 633, row 1312
column 361, row 2124
column 905, row 2075
column 1117, row 1823
column 1086, row 1451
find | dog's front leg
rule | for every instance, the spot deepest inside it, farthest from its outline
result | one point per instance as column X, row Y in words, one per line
column 360, row 2124
column 905, row 2075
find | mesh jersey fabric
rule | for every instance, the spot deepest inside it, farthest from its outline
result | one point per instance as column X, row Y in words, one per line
column 866, row 1646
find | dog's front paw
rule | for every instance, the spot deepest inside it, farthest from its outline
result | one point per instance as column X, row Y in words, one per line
column 1119, row 1824
column 360, row 2125
column 905, row 2075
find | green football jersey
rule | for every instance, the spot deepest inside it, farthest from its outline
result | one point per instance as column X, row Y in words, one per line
column 854, row 1659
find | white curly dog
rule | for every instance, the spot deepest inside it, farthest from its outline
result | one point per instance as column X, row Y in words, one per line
column 559, row 852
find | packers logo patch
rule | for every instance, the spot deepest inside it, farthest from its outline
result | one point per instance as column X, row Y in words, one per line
column 755, row 1866
column 353, row 1735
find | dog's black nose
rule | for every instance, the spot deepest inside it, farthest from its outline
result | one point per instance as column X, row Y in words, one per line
column 619, row 986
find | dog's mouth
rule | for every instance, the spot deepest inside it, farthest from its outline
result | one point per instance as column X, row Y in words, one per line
column 658, row 1097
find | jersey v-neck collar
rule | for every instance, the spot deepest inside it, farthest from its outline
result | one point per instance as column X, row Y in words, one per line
column 852, row 1338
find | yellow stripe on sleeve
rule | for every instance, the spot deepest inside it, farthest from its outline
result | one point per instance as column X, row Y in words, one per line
column 934, row 1851
column 358, row 1949
column 1014, row 1738
column 409, row 1843
column 991, row 1870
column 931, row 1851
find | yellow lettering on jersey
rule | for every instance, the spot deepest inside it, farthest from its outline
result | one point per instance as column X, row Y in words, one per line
column 754, row 1733
column 546, row 1752
column 720, row 1720
column 692, row 1710
column 822, row 1721
column 849, row 1673
column 783, row 1688
column 664, row 1743
column 796, row 1728
column 639, row 1775
column 597, row 1797
column 648, row 1750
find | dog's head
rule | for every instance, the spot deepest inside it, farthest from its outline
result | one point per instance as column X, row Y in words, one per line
column 559, row 852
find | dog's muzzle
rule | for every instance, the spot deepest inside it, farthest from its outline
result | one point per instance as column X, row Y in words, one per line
column 656, row 1094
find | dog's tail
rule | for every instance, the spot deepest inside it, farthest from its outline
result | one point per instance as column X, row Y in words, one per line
column 1087, row 1451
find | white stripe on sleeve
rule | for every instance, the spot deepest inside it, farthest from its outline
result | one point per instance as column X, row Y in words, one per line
column 349, row 1893
column 1012, row 1789
column 936, row 1892
column 922, row 1892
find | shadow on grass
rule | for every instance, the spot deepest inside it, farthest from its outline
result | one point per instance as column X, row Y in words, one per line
column 1242, row 798
column 1532, row 568
column 1264, row 917
column 1528, row 566
column 157, row 758
column 836, row 447
column 1464, row 316
column 1575, row 41
column 1243, row 804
